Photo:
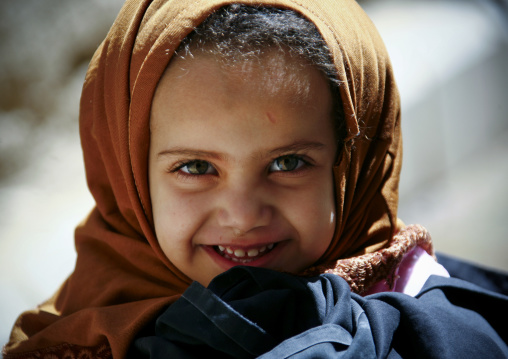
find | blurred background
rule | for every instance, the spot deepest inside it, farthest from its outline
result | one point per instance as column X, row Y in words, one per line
column 451, row 64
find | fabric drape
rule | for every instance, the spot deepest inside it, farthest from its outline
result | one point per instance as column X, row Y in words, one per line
column 330, row 322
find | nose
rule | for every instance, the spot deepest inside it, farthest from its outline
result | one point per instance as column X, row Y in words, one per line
column 244, row 207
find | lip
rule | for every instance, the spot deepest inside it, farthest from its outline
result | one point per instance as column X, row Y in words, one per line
column 263, row 261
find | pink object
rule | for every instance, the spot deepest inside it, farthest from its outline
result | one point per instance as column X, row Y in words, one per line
column 414, row 270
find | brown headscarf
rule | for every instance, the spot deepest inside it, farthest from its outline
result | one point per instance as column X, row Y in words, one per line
column 122, row 279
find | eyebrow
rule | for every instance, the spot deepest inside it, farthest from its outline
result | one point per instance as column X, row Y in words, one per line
column 298, row 146
column 293, row 147
column 187, row 152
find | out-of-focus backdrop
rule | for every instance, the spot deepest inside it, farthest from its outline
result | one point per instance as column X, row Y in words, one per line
column 451, row 64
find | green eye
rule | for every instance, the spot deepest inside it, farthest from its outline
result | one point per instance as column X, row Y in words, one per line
column 286, row 163
column 197, row 168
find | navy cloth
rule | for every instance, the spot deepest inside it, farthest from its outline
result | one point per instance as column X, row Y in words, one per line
column 253, row 312
column 487, row 278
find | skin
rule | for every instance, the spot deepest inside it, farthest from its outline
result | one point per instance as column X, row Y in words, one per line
column 241, row 157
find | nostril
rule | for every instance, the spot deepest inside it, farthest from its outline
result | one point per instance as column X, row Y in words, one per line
column 243, row 214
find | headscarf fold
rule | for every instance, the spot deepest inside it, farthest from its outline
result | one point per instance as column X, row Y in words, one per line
column 122, row 279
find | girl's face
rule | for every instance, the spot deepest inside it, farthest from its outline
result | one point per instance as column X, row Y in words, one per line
column 240, row 165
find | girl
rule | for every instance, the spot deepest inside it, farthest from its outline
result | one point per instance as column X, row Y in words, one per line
column 254, row 150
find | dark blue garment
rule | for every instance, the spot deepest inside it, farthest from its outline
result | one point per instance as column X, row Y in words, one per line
column 487, row 278
column 252, row 312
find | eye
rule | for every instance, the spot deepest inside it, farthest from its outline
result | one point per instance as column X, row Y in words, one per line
column 286, row 163
column 197, row 168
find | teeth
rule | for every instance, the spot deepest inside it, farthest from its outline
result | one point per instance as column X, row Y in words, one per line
column 239, row 260
column 239, row 253
column 252, row 252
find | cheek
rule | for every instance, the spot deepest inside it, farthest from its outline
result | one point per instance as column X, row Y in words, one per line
column 320, row 224
column 175, row 217
column 312, row 214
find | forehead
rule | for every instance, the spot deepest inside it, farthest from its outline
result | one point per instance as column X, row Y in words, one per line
column 272, row 72
column 205, row 83
column 242, row 109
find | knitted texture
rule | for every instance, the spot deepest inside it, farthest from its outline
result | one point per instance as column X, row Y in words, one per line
column 362, row 272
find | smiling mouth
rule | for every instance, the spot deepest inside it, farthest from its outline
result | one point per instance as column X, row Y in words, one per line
column 242, row 255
